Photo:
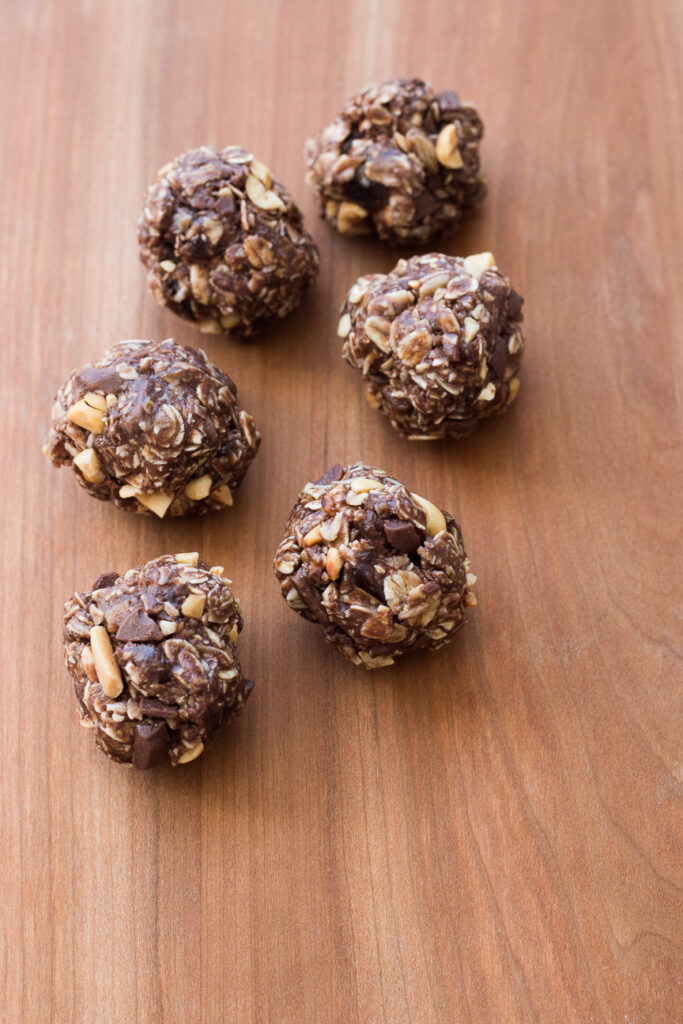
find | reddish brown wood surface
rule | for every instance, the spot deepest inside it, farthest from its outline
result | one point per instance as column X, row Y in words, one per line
column 491, row 833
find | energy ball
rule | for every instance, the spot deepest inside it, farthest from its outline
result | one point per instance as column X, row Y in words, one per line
column 223, row 242
column 154, row 661
column 400, row 160
column 439, row 342
column 383, row 570
column 153, row 427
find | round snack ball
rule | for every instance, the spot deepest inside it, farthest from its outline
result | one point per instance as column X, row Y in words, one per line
column 384, row 570
column 154, row 660
column 224, row 243
column 153, row 427
column 439, row 342
column 400, row 160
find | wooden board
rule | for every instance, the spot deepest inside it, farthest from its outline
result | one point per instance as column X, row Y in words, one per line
column 491, row 833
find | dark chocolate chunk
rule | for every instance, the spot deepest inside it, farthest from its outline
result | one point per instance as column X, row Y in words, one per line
column 145, row 663
column 499, row 357
column 514, row 304
column 151, row 741
column 402, row 535
column 310, row 594
column 138, row 626
column 105, row 579
column 449, row 101
column 371, row 527
column 331, row 475
column 368, row 194
column 364, row 576
column 105, row 378
column 152, row 708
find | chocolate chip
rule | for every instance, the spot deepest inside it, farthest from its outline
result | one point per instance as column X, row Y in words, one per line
column 499, row 357
column 104, row 378
column 310, row 595
column 402, row 536
column 365, row 578
column 425, row 205
column 138, row 626
column 448, row 101
column 371, row 528
column 335, row 473
column 144, row 662
column 225, row 205
column 368, row 194
column 152, row 708
column 514, row 304
column 151, row 741
column 105, row 579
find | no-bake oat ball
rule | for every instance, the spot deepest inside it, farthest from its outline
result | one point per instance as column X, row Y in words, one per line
column 382, row 569
column 224, row 242
column 153, row 658
column 438, row 341
column 399, row 160
column 153, row 427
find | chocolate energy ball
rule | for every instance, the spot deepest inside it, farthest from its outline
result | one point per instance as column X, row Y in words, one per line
column 439, row 342
column 154, row 661
column 399, row 160
column 224, row 243
column 153, row 427
column 383, row 570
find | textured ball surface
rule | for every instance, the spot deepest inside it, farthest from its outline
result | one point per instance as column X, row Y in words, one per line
column 223, row 242
column 382, row 569
column 154, row 661
column 438, row 341
column 153, row 427
column 399, row 160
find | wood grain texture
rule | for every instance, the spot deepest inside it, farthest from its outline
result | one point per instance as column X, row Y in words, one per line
column 491, row 833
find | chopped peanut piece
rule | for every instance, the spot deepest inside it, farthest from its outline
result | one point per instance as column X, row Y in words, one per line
column 106, row 665
column 191, row 754
column 435, row 517
column 313, row 536
column 361, row 484
column 187, row 557
column 158, row 503
column 96, row 401
column 471, row 328
column 166, row 627
column 447, row 152
column 333, row 563
column 230, row 320
column 89, row 464
column 88, row 663
column 193, row 606
column 478, row 263
column 349, row 216
column 222, row 494
column 199, row 488
column 344, row 326
column 83, row 415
